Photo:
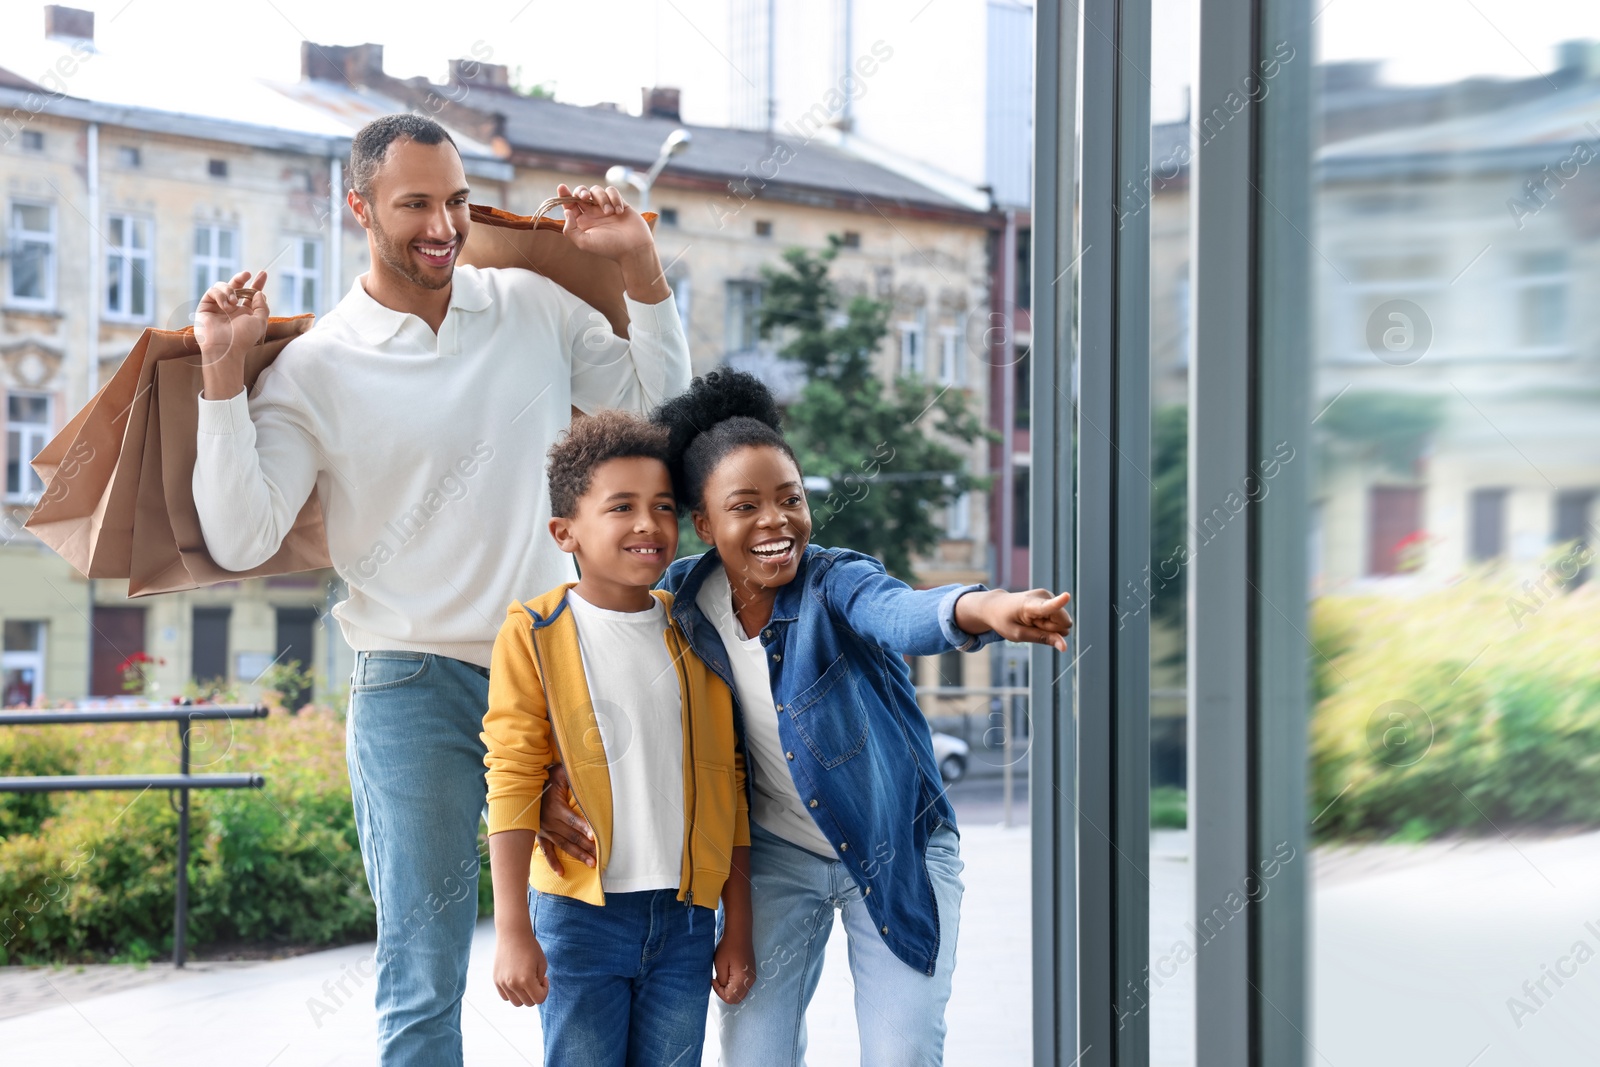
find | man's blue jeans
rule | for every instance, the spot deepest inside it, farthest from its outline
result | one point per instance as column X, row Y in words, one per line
column 417, row 780
column 629, row 982
column 899, row 1011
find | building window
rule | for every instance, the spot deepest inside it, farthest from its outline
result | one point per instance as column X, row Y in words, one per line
column 744, row 316
column 949, row 664
column 1020, row 493
column 28, row 426
column 1572, row 525
column 1379, row 280
column 958, row 518
column 32, row 141
column 1541, row 295
column 1394, row 524
column 302, row 276
column 763, row 228
column 217, row 168
column 128, row 157
column 951, row 369
column 22, row 664
column 851, row 239
column 668, row 216
column 1487, row 538
column 1023, row 403
column 216, row 256
column 33, row 254
column 209, row 645
column 128, row 295
column 913, row 360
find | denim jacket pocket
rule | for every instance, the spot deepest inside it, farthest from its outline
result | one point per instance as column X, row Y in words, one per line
column 828, row 716
column 387, row 669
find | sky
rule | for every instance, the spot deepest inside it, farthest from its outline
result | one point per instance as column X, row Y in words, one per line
column 607, row 49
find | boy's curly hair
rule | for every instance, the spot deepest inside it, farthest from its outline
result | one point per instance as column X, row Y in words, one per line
column 722, row 412
column 591, row 441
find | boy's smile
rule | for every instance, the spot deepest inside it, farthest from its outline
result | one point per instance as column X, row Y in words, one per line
column 624, row 532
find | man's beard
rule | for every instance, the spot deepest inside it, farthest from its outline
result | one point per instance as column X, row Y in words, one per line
column 399, row 257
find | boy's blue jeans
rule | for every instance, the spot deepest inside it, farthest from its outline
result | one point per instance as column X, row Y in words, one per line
column 629, row 982
column 899, row 1011
column 417, row 782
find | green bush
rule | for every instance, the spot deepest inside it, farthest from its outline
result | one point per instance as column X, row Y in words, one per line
column 92, row 876
column 1449, row 711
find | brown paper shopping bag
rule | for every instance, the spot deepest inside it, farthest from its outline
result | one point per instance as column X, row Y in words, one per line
column 91, row 471
column 105, row 506
column 169, row 550
column 502, row 239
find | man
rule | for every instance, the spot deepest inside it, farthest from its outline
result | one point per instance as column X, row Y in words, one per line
column 420, row 410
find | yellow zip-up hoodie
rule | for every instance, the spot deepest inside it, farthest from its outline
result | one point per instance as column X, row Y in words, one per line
column 540, row 714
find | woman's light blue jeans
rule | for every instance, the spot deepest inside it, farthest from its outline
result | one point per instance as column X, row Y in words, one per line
column 417, row 781
column 899, row 1011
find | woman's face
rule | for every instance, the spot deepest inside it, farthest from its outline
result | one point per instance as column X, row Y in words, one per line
column 754, row 513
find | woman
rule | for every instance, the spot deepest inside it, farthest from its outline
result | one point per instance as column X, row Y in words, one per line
column 847, row 807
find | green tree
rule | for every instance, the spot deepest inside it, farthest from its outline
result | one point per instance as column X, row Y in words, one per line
column 888, row 474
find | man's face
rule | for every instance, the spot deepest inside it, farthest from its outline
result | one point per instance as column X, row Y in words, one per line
column 416, row 212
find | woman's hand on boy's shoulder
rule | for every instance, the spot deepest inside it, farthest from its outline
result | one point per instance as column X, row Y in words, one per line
column 1037, row 616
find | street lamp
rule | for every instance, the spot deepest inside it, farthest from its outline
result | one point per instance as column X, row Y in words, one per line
column 676, row 142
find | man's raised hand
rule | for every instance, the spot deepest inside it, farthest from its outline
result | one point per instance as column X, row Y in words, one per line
column 228, row 326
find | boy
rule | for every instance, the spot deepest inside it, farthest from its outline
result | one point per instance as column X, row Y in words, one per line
column 594, row 676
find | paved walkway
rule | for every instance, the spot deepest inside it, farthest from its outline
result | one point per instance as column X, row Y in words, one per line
column 317, row 1009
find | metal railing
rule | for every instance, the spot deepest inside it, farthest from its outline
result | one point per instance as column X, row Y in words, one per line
column 1008, row 743
column 185, row 716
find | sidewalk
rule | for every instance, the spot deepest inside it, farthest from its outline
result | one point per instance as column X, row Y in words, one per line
column 317, row 1009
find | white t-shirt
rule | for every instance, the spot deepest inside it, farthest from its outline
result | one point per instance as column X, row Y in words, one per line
column 633, row 684
column 775, row 803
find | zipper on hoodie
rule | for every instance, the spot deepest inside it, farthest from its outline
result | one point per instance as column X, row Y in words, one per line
column 691, row 780
column 561, row 746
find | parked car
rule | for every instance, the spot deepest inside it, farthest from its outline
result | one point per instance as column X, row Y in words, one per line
column 950, row 753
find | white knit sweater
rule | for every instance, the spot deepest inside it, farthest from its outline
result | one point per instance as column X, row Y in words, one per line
column 427, row 451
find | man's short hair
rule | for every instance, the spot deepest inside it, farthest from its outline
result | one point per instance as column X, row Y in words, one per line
column 591, row 441
column 371, row 143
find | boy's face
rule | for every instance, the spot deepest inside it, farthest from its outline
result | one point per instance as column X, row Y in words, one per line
column 625, row 529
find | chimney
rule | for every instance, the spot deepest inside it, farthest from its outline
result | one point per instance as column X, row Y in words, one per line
column 68, row 23
column 661, row 103
column 472, row 72
column 356, row 64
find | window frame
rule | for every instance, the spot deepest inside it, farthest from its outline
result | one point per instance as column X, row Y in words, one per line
column 296, row 275
column 218, row 268
column 124, row 259
column 16, row 237
column 40, row 432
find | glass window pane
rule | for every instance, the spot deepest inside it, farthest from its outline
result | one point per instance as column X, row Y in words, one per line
column 115, row 230
column 1455, row 704
column 139, row 229
column 310, row 253
column 225, row 244
column 21, row 636
column 31, row 217
column 202, row 240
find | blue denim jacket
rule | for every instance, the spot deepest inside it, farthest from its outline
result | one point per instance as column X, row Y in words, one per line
column 862, row 755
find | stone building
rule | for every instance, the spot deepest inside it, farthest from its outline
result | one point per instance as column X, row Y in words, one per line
column 120, row 209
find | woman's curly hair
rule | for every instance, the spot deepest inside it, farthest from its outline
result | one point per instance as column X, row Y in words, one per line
column 591, row 441
column 722, row 412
